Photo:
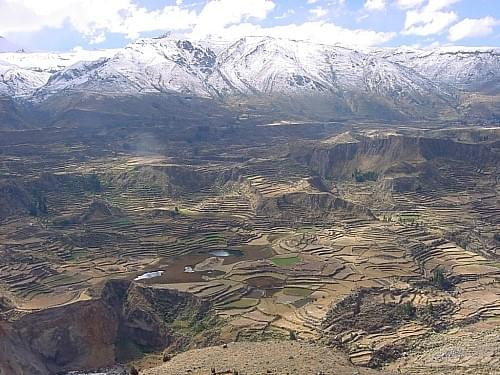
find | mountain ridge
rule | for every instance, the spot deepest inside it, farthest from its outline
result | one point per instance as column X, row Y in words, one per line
column 7, row 46
column 393, row 82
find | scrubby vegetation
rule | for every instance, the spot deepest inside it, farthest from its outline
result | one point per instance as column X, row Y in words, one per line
column 440, row 280
column 38, row 205
column 362, row 176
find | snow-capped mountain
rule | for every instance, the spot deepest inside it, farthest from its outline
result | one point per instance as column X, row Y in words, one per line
column 53, row 62
column 18, row 82
column 7, row 46
column 395, row 79
column 145, row 66
column 21, row 73
column 249, row 66
column 269, row 65
column 469, row 69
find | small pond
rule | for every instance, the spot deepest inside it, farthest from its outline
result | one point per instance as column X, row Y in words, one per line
column 149, row 275
column 223, row 253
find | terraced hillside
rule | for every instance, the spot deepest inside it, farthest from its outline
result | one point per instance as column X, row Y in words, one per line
column 360, row 236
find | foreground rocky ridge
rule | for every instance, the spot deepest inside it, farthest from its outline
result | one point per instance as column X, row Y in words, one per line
column 259, row 358
column 96, row 333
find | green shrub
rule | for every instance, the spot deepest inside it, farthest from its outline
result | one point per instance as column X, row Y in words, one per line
column 408, row 309
column 440, row 280
column 360, row 176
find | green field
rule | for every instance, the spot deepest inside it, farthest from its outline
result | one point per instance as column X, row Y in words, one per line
column 243, row 303
column 299, row 292
column 286, row 262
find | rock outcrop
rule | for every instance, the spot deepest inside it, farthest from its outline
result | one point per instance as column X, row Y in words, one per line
column 341, row 159
column 96, row 333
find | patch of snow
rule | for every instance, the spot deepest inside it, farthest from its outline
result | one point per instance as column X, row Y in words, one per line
column 215, row 68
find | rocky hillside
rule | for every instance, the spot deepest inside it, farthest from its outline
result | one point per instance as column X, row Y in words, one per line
column 254, row 67
column 126, row 319
column 468, row 69
column 345, row 155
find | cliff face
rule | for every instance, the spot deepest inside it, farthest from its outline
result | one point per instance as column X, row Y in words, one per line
column 96, row 333
column 80, row 335
column 422, row 176
column 340, row 160
column 477, row 154
column 15, row 356
column 145, row 317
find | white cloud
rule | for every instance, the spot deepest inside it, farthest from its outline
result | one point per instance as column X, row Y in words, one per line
column 375, row 5
column 226, row 12
column 318, row 12
column 409, row 4
column 316, row 31
column 217, row 15
column 432, row 5
column 435, row 5
column 472, row 27
column 286, row 14
column 227, row 19
column 312, row 1
column 91, row 18
column 98, row 38
column 427, row 23
column 431, row 19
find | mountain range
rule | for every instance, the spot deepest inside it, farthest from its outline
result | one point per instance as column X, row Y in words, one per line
column 298, row 78
column 7, row 46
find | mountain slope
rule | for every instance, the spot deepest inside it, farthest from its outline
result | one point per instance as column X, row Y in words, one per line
column 254, row 67
column 144, row 66
column 7, row 46
column 303, row 79
column 21, row 74
column 53, row 62
column 18, row 82
column 468, row 69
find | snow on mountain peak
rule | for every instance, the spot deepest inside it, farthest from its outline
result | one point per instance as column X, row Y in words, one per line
column 8, row 46
column 253, row 66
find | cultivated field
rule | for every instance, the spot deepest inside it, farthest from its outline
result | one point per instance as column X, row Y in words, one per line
column 335, row 239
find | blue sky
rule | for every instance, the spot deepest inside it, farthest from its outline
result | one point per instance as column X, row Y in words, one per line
column 61, row 25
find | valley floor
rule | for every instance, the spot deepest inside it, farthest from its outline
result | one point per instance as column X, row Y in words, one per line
column 380, row 244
